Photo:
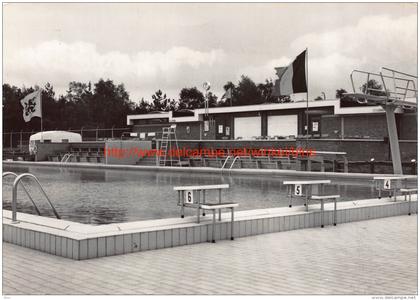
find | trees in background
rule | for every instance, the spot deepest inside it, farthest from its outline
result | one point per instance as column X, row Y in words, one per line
column 105, row 104
column 160, row 102
column 190, row 98
column 12, row 110
column 340, row 93
column 373, row 88
column 247, row 92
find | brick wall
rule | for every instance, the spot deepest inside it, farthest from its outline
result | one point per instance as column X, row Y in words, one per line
column 356, row 150
column 365, row 126
column 46, row 149
column 363, row 150
column 128, row 156
column 373, row 126
column 237, row 144
column 331, row 125
column 407, row 126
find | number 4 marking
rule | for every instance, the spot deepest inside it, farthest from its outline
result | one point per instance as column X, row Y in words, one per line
column 387, row 184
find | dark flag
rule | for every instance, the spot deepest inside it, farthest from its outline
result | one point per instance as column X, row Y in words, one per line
column 292, row 79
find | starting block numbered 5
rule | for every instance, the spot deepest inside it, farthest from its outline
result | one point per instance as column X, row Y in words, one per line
column 298, row 190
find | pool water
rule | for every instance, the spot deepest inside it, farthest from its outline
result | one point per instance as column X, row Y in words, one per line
column 98, row 196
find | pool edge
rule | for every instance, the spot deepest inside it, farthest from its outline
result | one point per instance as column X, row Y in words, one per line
column 79, row 246
column 199, row 170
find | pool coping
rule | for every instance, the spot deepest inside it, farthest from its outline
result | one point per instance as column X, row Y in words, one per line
column 269, row 172
column 70, row 239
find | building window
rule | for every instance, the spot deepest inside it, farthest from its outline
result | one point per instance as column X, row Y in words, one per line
column 220, row 131
column 315, row 126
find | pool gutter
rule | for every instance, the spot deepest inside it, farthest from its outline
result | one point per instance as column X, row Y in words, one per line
column 208, row 170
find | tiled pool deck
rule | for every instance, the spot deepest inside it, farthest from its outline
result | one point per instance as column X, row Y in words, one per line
column 377, row 256
column 84, row 241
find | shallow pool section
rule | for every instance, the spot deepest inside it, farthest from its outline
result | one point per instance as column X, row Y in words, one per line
column 100, row 196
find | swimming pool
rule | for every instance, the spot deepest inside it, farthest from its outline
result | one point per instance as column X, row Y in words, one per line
column 101, row 196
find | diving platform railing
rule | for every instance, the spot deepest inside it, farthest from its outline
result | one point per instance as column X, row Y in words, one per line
column 15, row 190
column 395, row 90
column 404, row 85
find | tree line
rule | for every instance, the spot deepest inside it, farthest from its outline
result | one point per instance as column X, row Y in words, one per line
column 106, row 104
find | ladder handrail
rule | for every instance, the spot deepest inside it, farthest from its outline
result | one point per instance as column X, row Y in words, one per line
column 14, row 195
column 234, row 160
column 66, row 157
column 224, row 164
column 5, row 174
column 70, row 155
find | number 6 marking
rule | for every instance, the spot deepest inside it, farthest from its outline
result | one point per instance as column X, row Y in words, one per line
column 189, row 198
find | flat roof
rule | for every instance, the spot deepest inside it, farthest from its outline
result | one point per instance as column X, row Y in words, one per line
column 198, row 113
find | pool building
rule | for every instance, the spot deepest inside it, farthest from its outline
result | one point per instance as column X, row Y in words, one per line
column 334, row 125
column 328, row 119
column 346, row 136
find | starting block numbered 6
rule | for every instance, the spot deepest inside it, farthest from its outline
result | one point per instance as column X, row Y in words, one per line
column 189, row 197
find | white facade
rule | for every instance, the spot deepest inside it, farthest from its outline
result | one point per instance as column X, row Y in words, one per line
column 284, row 125
column 247, row 127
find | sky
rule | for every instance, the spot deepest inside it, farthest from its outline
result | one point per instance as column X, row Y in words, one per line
column 169, row 46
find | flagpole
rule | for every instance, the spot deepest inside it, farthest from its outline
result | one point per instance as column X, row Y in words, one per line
column 40, row 108
column 307, row 98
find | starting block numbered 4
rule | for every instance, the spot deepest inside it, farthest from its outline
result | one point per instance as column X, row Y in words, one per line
column 387, row 184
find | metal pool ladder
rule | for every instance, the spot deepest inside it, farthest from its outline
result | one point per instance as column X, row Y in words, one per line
column 66, row 157
column 224, row 164
column 14, row 194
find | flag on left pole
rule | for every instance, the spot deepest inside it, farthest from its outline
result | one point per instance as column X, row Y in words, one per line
column 32, row 106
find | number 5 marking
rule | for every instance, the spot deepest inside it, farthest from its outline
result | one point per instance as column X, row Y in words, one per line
column 298, row 189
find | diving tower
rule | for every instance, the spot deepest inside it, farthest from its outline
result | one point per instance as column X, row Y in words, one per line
column 398, row 93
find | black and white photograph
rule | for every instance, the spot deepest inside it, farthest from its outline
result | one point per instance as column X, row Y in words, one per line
column 210, row 149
